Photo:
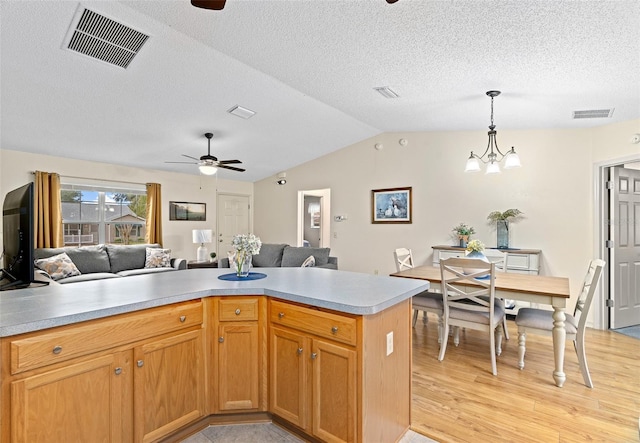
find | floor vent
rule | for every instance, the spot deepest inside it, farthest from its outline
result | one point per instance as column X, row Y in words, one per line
column 99, row 37
column 593, row 113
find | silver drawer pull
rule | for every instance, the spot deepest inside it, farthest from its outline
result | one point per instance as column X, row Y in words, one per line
column 183, row 318
column 313, row 356
column 221, row 339
column 299, row 351
column 334, row 330
column 118, row 371
column 57, row 350
column 140, row 363
column 280, row 314
column 238, row 311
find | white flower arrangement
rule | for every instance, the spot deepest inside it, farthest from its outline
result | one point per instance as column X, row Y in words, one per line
column 475, row 245
column 246, row 244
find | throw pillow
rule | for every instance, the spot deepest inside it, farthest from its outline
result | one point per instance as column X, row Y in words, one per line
column 58, row 266
column 309, row 262
column 158, row 258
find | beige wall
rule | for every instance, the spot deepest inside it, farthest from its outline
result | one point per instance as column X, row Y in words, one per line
column 16, row 168
column 554, row 189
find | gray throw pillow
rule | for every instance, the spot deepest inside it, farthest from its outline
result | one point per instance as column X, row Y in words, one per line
column 88, row 259
column 127, row 257
column 270, row 256
column 295, row 256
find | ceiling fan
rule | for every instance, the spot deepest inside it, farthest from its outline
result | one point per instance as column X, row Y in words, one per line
column 208, row 164
column 218, row 5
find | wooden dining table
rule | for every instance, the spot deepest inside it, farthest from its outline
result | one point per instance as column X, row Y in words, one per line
column 539, row 289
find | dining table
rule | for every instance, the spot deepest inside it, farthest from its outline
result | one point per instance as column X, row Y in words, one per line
column 540, row 289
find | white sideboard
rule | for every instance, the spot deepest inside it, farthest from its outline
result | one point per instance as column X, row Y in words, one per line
column 518, row 261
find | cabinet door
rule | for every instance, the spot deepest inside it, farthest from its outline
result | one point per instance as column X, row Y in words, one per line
column 334, row 392
column 168, row 384
column 289, row 376
column 238, row 366
column 87, row 401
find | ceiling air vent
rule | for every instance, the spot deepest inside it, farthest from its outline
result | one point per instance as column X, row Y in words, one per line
column 99, row 37
column 593, row 113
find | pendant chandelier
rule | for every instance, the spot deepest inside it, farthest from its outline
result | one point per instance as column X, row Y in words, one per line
column 492, row 155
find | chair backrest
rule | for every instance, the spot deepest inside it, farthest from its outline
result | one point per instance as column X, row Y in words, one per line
column 457, row 273
column 498, row 257
column 583, row 304
column 403, row 258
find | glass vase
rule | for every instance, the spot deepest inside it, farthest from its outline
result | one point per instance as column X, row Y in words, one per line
column 243, row 264
column 502, row 234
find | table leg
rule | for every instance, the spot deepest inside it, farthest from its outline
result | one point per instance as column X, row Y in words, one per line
column 559, row 340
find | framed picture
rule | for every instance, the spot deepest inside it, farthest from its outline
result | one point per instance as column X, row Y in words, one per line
column 187, row 211
column 391, row 205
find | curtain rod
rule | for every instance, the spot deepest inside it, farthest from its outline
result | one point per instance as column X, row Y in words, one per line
column 95, row 179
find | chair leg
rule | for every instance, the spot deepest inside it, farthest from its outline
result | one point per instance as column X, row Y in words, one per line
column 492, row 338
column 415, row 317
column 578, row 343
column 498, row 334
column 445, row 338
column 504, row 328
column 522, row 338
column 425, row 319
column 456, row 335
column 440, row 328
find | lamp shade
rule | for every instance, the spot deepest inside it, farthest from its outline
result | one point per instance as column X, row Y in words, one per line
column 202, row 235
column 473, row 165
column 207, row 169
column 493, row 168
column 511, row 160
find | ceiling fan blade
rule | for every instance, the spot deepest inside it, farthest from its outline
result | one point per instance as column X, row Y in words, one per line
column 192, row 158
column 216, row 5
column 184, row 163
column 231, row 168
column 228, row 162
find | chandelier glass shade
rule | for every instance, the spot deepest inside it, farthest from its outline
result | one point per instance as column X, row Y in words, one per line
column 492, row 156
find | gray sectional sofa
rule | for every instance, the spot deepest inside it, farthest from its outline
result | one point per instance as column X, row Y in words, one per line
column 107, row 261
column 282, row 255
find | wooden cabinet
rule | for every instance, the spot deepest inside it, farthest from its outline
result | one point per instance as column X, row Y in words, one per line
column 83, row 382
column 240, row 353
column 313, row 380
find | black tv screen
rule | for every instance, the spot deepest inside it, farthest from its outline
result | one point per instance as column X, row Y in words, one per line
column 17, row 238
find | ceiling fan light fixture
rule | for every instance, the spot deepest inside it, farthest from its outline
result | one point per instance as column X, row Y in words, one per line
column 207, row 169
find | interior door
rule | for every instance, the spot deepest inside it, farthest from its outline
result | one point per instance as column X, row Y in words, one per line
column 624, row 255
column 233, row 218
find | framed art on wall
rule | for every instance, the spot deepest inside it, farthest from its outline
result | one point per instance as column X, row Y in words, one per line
column 391, row 205
column 187, row 211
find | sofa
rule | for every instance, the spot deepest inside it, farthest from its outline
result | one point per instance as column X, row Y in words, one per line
column 282, row 255
column 75, row 264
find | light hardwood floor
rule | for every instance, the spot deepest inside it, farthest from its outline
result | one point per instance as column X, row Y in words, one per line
column 458, row 400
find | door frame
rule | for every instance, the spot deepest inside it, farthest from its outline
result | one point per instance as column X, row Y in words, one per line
column 325, row 215
column 601, row 209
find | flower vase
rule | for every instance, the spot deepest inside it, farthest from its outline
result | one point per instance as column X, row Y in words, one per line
column 502, row 229
column 464, row 239
column 477, row 255
column 243, row 264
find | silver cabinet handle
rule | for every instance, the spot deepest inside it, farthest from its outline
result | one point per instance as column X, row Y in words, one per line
column 118, row 371
column 280, row 314
column 313, row 355
column 57, row 350
column 299, row 351
column 221, row 339
column 140, row 363
column 183, row 318
column 238, row 311
column 334, row 330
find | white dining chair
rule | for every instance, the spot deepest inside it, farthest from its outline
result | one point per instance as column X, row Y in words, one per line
column 540, row 321
column 501, row 258
column 469, row 301
column 426, row 301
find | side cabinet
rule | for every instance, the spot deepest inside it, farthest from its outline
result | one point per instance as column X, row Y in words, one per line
column 240, row 353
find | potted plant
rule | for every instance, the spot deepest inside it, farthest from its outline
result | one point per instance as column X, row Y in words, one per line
column 212, row 257
column 502, row 220
column 464, row 232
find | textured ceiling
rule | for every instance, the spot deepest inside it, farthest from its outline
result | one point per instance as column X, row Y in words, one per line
column 308, row 69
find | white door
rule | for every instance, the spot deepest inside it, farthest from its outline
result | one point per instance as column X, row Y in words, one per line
column 624, row 255
column 233, row 218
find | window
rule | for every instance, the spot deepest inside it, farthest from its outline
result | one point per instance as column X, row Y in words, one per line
column 98, row 212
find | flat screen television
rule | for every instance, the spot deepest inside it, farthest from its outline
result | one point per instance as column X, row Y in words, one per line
column 17, row 238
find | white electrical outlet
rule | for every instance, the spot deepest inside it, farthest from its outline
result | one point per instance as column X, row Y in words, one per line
column 389, row 343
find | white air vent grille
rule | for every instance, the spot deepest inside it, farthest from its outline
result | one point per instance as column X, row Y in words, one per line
column 387, row 92
column 104, row 39
column 593, row 113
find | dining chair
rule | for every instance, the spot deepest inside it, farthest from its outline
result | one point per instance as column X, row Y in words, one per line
column 500, row 258
column 425, row 301
column 469, row 301
column 540, row 321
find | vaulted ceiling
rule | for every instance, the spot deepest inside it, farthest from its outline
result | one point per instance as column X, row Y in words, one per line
column 308, row 69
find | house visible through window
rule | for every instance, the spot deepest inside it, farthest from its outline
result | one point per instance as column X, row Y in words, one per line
column 98, row 212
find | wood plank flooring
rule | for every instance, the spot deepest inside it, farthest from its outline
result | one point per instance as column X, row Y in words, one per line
column 459, row 400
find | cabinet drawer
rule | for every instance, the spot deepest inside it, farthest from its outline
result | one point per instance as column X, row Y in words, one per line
column 448, row 254
column 238, row 309
column 64, row 343
column 518, row 261
column 324, row 324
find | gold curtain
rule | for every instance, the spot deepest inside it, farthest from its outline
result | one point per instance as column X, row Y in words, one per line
column 154, row 214
column 48, row 219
